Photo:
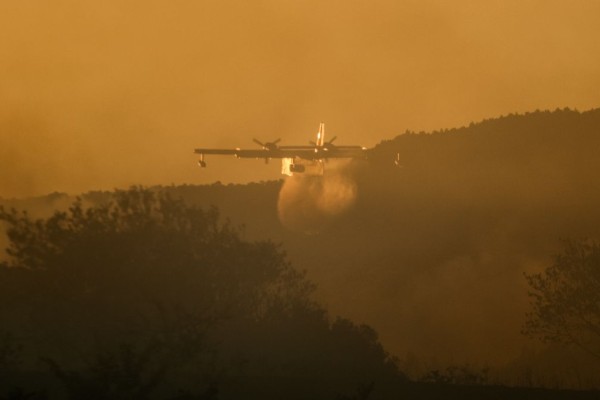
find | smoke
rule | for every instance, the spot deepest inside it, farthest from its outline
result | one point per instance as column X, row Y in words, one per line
column 163, row 78
column 309, row 203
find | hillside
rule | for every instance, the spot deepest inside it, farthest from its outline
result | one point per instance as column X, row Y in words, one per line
column 432, row 253
column 445, row 239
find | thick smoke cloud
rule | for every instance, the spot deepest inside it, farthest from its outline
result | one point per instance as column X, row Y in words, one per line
column 308, row 203
column 122, row 91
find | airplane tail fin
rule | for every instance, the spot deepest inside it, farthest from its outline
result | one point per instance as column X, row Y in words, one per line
column 321, row 135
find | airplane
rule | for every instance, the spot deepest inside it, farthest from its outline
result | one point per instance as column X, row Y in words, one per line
column 294, row 159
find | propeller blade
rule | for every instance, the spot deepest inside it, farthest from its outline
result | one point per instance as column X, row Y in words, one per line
column 258, row 142
column 277, row 141
column 313, row 143
column 332, row 139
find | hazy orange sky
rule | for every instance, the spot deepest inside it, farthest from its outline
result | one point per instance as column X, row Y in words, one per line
column 104, row 94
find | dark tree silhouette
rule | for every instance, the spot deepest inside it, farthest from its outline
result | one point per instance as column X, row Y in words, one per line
column 144, row 292
column 566, row 298
column 143, row 269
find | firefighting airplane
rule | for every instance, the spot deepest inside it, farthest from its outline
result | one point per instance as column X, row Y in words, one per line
column 294, row 159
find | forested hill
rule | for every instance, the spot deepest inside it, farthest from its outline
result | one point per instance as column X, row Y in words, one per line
column 440, row 243
column 432, row 253
column 544, row 154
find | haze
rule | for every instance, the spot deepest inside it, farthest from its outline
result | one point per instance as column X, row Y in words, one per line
column 97, row 95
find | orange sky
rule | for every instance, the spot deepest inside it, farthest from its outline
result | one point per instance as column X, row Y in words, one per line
column 104, row 94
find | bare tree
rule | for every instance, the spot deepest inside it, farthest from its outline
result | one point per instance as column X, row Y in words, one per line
column 565, row 298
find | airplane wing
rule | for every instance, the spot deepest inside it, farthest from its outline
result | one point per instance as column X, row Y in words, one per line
column 341, row 152
column 305, row 152
column 240, row 153
column 216, row 151
column 237, row 152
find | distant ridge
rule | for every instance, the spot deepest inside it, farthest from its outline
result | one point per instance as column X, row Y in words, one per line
column 538, row 139
column 511, row 117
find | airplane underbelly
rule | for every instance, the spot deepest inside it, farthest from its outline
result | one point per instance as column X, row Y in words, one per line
column 291, row 166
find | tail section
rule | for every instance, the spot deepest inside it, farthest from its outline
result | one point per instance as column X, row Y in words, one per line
column 321, row 135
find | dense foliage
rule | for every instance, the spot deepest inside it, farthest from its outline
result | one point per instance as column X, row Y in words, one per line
column 144, row 293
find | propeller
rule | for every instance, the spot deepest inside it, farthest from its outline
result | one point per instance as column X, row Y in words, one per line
column 330, row 142
column 267, row 145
